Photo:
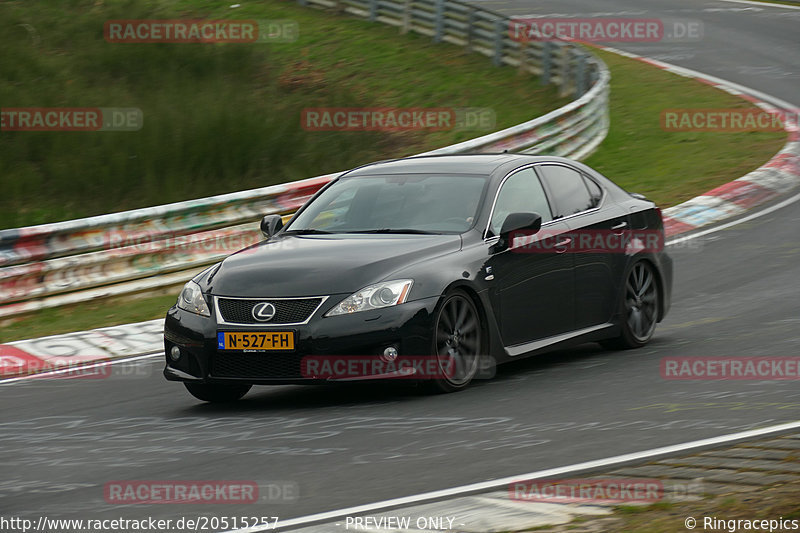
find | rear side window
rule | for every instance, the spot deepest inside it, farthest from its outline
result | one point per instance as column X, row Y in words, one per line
column 568, row 190
column 595, row 191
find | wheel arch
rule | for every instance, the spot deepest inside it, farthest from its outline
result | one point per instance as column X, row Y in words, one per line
column 487, row 318
column 646, row 258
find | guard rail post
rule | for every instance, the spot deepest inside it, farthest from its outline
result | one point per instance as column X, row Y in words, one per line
column 523, row 57
column 405, row 26
column 470, row 29
column 499, row 34
column 580, row 75
column 438, row 22
column 564, row 60
column 547, row 62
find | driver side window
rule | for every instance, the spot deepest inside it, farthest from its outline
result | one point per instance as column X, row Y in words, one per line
column 521, row 193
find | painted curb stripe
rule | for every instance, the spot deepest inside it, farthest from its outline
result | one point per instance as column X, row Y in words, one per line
column 730, row 200
column 744, row 193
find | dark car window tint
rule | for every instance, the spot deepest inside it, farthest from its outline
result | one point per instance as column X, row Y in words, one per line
column 569, row 191
column 521, row 193
column 595, row 191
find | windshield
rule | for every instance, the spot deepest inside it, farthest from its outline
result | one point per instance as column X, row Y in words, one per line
column 417, row 203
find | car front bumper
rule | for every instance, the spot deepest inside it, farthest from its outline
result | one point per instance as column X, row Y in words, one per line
column 408, row 327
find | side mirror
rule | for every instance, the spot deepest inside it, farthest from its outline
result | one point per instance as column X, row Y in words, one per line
column 270, row 225
column 530, row 222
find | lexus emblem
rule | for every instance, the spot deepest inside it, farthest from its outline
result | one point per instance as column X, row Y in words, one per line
column 264, row 311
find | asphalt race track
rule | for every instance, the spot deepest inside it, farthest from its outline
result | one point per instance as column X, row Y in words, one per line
column 737, row 293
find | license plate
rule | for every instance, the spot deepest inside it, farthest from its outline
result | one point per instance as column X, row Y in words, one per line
column 255, row 341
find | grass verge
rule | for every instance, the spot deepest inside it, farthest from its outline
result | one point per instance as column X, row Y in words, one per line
column 670, row 167
column 768, row 503
column 88, row 315
column 219, row 117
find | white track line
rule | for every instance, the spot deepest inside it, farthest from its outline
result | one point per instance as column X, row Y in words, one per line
column 777, row 102
column 505, row 481
column 43, row 375
column 765, row 4
column 736, row 222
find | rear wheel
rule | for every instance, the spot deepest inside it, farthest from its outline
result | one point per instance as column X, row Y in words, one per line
column 458, row 338
column 218, row 393
column 639, row 308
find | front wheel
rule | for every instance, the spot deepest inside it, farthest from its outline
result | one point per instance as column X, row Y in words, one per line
column 218, row 393
column 458, row 338
column 639, row 308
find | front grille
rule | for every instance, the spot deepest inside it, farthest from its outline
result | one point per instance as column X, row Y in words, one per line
column 256, row 365
column 290, row 311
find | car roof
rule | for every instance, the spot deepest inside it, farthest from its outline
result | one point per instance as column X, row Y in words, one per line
column 459, row 164
column 493, row 165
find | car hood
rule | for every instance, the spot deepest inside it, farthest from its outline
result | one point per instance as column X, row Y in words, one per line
column 317, row 265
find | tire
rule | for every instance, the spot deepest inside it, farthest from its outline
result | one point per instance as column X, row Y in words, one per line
column 457, row 342
column 217, row 393
column 639, row 304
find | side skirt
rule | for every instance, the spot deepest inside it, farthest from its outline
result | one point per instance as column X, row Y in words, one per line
column 593, row 333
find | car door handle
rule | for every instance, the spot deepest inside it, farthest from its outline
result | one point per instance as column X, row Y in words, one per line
column 561, row 246
column 621, row 225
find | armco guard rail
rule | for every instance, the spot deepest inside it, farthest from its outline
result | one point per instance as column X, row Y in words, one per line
column 143, row 249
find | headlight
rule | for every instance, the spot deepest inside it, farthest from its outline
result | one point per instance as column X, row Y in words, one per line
column 191, row 299
column 383, row 294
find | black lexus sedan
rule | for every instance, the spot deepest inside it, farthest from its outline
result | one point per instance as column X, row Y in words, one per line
column 432, row 268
